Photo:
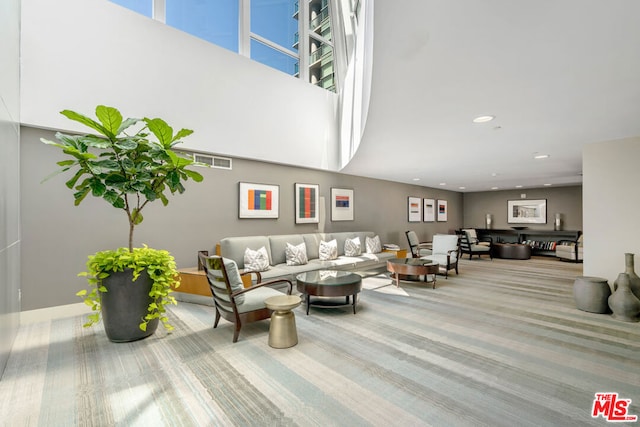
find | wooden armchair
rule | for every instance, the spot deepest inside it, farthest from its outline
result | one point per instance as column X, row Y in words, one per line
column 471, row 246
column 446, row 252
column 418, row 249
column 232, row 300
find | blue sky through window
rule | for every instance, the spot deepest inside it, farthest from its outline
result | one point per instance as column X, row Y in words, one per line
column 214, row 21
column 143, row 7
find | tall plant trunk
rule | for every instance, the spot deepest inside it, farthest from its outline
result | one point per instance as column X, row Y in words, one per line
column 131, row 225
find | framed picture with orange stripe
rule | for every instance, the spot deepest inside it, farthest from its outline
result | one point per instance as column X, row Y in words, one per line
column 307, row 207
column 259, row 200
column 341, row 204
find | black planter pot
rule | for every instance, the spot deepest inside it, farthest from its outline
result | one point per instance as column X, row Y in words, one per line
column 124, row 306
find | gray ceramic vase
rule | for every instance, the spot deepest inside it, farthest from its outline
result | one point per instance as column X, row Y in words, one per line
column 623, row 303
column 633, row 277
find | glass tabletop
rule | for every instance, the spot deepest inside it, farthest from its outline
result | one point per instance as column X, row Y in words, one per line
column 328, row 277
column 412, row 261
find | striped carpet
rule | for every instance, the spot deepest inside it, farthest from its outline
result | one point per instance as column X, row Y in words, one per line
column 501, row 344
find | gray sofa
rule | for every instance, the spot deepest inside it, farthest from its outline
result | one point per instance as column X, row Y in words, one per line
column 234, row 248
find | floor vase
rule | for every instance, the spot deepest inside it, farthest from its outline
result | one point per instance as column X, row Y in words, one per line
column 633, row 277
column 623, row 303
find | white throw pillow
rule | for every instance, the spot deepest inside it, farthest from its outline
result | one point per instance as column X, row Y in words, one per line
column 352, row 247
column 373, row 244
column 256, row 260
column 296, row 255
column 328, row 250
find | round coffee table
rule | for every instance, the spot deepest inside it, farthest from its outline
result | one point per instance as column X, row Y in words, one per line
column 329, row 283
column 511, row 250
column 282, row 330
column 413, row 267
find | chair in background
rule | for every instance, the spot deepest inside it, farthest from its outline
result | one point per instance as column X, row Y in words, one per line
column 472, row 246
column 232, row 300
column 472, row 235
column 446, row 252
column 570, row 250
column 418, row 249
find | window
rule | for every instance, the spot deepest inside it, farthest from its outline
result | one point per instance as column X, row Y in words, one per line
column 271, row 32
column 213, row 21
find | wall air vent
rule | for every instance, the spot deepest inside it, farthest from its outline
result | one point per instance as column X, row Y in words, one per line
column 213, row 161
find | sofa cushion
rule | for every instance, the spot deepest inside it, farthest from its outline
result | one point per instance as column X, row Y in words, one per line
column 312, row 242
column 279, row 245
column 256, row 260
column 296, row 255
column 328, row 250
column 234, row 247
column 373, row 244
column 352, row 247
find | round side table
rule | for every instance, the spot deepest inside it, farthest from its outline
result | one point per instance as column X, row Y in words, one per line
column 591, row 294
column 282, row 330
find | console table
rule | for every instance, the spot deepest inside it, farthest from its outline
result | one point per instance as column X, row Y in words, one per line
column 542, row 242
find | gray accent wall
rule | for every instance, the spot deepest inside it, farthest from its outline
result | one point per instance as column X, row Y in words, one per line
column 564, row 200
column 9, row 176
column 59, row 236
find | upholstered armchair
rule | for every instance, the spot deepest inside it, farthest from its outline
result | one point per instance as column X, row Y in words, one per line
column 472, row 235
column 469, row 244
column 418, row 249
column 570, row 250
column 234, row 302
column 445, row 252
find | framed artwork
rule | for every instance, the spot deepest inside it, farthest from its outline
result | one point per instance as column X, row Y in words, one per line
column 442, row 210
column 429, row 210
column 307, row 206
column 258, row 200
column 415, row 209
column 527, row 211
column 341, row 204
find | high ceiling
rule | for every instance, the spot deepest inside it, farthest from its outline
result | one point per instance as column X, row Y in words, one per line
column 556, row 74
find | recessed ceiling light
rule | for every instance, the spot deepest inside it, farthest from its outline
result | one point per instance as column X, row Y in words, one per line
column 443, row 183
column 547, row 185
column 494, row 174
column 416, row 179
column 462, row 188
column 483, row 119
column 518, row 186
column 541, row 156
column 494, row 188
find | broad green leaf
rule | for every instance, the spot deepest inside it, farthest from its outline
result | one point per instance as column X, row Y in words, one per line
column 80, row 195
column 81, row 293
column 114, row 179
column 119, row 203
column 193, row 175
column 182, row 133
column 136, row 216
column 72, row 182
column 48, row 142
column 126, row 124
column 161, row 130
column 97, row 188
column 143, row 326
column 110, row 118
column 95, row 142
column 85, row 121
column 126, row 144
column 110, row 196
column 173, row 179
column 66, row 162
column 103, row 166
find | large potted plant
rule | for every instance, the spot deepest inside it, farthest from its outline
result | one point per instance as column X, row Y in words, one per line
column 124, row 165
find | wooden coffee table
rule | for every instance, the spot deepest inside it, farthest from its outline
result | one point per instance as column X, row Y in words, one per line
column 412, row 267
column 329, row 283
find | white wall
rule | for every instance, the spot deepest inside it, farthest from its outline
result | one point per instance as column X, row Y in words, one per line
column 9, row 175
column 77, row 54
column 611, row 206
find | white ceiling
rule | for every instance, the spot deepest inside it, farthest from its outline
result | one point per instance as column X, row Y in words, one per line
column 556, row 74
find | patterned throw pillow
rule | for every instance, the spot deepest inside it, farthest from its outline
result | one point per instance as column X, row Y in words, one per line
column 296, row 255
column 256, row 260
column 373, row 244
column 352, row 247
column 328, row 250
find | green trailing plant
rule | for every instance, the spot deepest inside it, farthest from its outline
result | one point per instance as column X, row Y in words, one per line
column 129, row 163
column 160, row 266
